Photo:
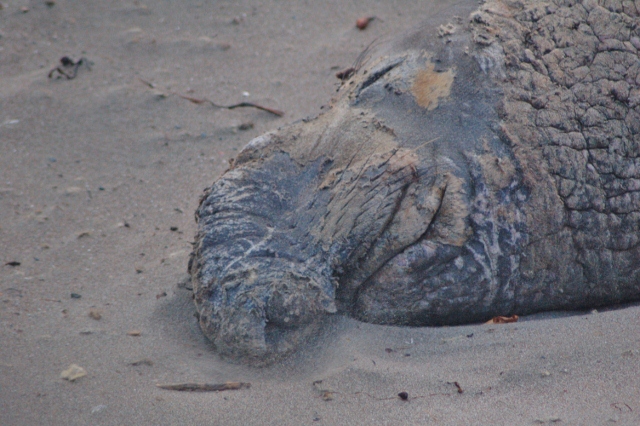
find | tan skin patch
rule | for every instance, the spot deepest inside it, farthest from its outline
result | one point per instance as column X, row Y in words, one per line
column 430, row 86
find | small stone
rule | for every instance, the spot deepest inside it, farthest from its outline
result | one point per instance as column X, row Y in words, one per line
column 72, row 190
column 24, row 9
column 173, row 228
column 134, row 333
column 95, row 314
column 98, row 408
column 76, row 296
column 327, row 396
column 50, row 3
column 239, row 19
column 73, row 373
column 545, row 373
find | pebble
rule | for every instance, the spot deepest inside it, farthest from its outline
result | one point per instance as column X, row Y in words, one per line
column 98, row 408
column 95, row 314
column 72, row 190
column 134, row 333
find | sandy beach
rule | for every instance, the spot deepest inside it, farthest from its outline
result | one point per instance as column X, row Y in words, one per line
column 100, row 176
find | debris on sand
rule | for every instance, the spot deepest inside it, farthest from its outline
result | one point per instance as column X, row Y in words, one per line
column 69, row 68
column 204, row 387
column 73, row 373
column 502, row 320
column 95, row 314
column 363, row 23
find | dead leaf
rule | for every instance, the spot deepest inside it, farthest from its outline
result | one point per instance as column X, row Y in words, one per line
column 362, row 23
column 73, row 373
column 502, row 320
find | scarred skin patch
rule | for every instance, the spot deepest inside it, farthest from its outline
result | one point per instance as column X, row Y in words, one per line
column 430, row 86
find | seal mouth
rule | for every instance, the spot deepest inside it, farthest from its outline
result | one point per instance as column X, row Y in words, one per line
column 262, row 309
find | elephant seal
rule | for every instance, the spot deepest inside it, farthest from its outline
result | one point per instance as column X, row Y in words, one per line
column 486, row 163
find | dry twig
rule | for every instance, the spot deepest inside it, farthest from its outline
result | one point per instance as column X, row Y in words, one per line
column 204, row 387
column 199, row 101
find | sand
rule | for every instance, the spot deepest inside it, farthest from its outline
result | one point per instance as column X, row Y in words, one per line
column 99, row 179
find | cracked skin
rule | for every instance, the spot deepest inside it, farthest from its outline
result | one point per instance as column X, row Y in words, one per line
column 491, row 169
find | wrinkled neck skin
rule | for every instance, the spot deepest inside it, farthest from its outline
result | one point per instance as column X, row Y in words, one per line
column 414, row 200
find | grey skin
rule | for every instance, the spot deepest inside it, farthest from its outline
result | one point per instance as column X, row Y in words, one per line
column 487, row 163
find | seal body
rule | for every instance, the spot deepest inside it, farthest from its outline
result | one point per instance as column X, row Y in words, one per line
column 484, row 164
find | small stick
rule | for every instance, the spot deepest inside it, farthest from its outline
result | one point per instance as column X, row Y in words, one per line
column 199, row 101
column 204, row 387
column 147, row 83
column 240, row 105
